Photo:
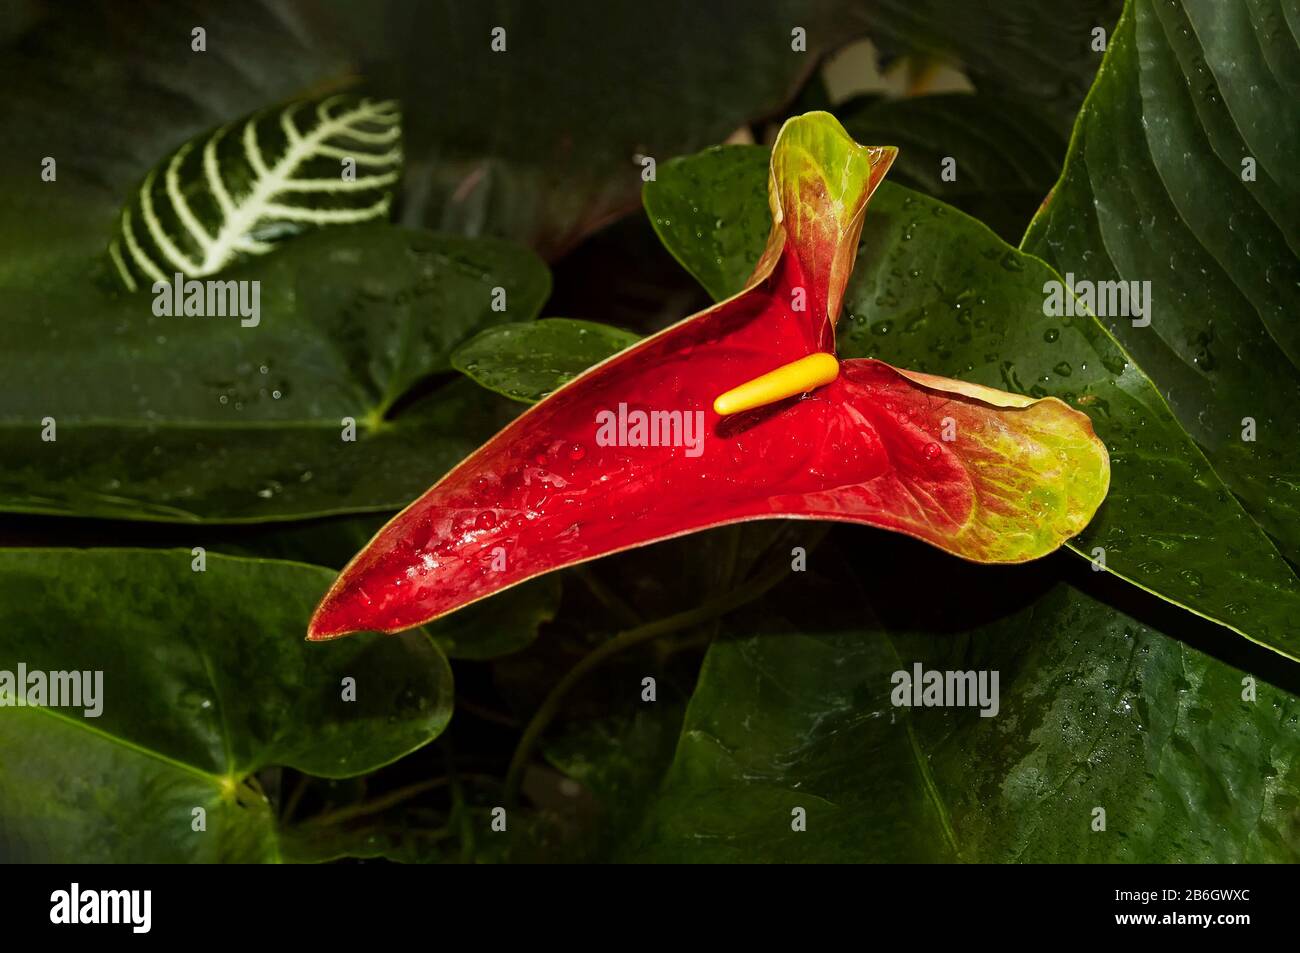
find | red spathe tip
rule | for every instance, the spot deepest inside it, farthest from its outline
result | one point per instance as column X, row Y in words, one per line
column 348, row 608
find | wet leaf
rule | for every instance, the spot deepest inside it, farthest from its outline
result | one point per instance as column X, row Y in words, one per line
column 330, row 403
column 1180, row 176
column 526, row 362
column 205, row 682
column 1095, row 709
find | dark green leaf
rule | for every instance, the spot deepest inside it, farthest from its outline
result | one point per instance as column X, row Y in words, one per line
column 533, row 150
column 703, row 208
column 547, row 137
column 527, row 361
column 1005, row 152
column 935, row 291
column 1154, row 191
column 1040, row 51
column 613, row 740
column 201, row 418
column 503, row 624
column 331, row 542
column 107, row 91
column 1096, row 709
column 206, row 680
column 619, row 759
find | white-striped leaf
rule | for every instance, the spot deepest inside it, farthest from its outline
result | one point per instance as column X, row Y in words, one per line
column 239, row 190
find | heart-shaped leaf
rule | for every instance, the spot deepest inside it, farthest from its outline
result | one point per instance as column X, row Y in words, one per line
column 526, row 362
column 202, row 681
column 1180, row 176
column 1107, row 739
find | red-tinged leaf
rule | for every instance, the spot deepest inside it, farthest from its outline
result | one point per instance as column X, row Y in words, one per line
column 985, row 475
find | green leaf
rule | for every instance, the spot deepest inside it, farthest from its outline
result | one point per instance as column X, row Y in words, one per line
column 702, row 208
column 1096, row 709
column 1154, row 190
column 239, row 189
column 107, row 91
column 526, row 362
column 540, row 154
column 202, row 419
column 544, row 153
column 331, row 542
column 206, row 680
column 619, row 759
column 935, row 291
column 1005, row 153
column 501, row 625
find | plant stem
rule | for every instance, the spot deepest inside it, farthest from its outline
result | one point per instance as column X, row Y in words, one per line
column 374, row 806
column 607, row 597
column 714, row 609
column 295, row 799
column 486, row 714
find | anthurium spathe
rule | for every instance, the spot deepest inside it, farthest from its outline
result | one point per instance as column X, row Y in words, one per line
column 738, row 413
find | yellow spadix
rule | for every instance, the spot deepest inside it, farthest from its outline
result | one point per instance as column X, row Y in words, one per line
column 797, row 377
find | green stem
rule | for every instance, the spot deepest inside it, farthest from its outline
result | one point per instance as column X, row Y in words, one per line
column 740, row 596
column 607, row 597
column 485, row 713
column 291, row 805
column 374, row 806
column 392, row 798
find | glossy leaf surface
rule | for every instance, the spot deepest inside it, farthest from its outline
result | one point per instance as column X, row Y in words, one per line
column 205, row 682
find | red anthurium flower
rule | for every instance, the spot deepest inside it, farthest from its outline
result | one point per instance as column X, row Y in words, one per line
column 740, row 412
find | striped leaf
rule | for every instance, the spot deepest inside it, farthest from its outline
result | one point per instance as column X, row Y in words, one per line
column 239, row 190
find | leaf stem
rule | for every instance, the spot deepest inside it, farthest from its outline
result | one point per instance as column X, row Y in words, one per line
column 607, row 597
column 484, row 713
column 714, row 609
column 391, row 799
column 375, row 805
column 295, row 798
